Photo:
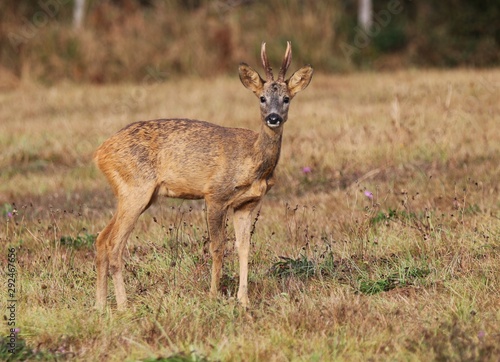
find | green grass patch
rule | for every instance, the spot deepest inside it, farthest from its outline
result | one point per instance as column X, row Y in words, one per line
column 13, row 350
column 300, row 267
column 79, row 241
column 408, row 277
column 193, row 356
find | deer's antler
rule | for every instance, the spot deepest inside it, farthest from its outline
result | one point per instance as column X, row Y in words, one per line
column 265, row 63
column 286, row 62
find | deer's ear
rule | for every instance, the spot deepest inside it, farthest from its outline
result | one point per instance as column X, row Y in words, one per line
column 250, row 78
column 299, row 80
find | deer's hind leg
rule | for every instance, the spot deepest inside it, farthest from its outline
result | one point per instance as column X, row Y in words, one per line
column 102, row 265
column 131, row 204
column 216, row 217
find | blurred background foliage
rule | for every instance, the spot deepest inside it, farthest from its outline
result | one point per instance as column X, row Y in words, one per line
column 151, row 40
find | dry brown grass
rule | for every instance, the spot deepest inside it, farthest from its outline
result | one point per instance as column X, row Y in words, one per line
column 426, row 144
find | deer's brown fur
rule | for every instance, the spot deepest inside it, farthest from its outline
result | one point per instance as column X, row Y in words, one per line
column 190, row 159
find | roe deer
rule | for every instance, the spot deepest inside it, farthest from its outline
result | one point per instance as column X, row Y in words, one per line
column 190, row 159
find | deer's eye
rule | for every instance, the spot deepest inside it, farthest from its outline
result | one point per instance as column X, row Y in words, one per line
column 286, row 100
column 262, row 99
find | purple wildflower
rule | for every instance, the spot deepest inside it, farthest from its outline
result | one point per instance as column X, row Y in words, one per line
column 368, row 194
column 306, row 169
column 9, row 215
column 481, row 334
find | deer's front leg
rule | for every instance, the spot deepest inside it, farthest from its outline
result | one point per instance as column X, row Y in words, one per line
column 242, row 226
column 217, row 232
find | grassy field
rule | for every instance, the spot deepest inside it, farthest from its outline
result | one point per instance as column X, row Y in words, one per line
column 380, row 240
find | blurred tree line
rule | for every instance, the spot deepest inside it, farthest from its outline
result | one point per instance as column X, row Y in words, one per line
column 150, row 40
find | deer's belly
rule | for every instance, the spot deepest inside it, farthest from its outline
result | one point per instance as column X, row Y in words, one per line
column 179, row 191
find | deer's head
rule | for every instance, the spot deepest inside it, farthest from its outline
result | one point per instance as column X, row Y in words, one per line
column 275, row 95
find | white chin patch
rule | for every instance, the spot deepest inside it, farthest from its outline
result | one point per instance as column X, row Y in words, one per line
column 273, row 125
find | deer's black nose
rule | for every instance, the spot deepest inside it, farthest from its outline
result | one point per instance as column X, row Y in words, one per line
column 274, row 120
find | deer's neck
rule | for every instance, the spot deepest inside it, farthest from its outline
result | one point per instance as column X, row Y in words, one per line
column 267, row 150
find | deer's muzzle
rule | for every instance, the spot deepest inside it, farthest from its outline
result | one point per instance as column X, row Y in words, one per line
column 274, row 120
